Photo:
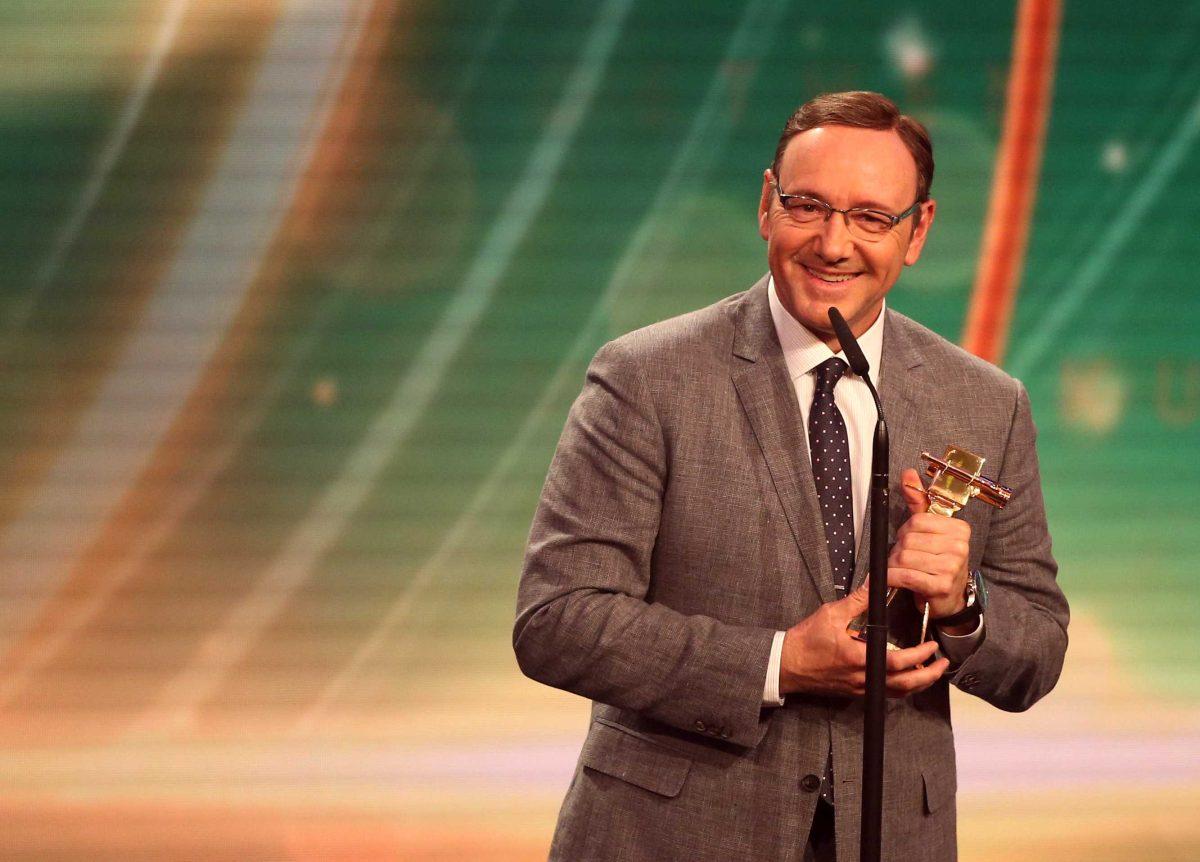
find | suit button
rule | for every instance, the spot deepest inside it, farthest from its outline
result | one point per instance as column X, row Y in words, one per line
column 810, row 783
column 724, row 734
column 700, row 726
column 969, row 681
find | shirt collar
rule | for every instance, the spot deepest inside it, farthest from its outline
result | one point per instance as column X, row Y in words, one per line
column 803, row 351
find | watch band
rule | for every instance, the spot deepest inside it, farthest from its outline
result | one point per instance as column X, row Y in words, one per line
column 971, row 613
column 976, row 595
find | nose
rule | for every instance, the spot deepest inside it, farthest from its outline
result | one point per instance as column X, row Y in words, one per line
column 834, row 242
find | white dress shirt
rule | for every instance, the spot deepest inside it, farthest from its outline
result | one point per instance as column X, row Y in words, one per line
column 803, row 352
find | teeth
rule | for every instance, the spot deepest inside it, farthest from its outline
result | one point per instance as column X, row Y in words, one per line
column 832, row 278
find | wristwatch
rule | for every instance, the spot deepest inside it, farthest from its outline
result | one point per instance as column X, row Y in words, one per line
column 977, row 599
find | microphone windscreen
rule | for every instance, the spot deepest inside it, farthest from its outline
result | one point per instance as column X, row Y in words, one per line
column 854, row 355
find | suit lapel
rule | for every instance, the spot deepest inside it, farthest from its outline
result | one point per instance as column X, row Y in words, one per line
column 902, row 393
column 765, row 390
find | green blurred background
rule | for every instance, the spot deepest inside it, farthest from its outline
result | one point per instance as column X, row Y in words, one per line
column 296, row 296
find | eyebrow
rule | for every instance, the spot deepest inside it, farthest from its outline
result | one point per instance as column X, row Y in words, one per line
column 867, row 204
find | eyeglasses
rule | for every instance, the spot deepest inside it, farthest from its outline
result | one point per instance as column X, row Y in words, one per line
column 866, row 224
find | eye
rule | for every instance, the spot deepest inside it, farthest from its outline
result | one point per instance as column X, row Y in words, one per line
column 871, row 221
column 804, row 208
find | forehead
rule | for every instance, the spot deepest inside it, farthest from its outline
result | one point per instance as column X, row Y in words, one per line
column 848, row 166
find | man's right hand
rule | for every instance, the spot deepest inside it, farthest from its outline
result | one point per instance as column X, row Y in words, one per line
column 820, row 657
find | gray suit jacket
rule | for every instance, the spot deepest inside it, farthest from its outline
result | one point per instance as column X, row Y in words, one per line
column 679, row 528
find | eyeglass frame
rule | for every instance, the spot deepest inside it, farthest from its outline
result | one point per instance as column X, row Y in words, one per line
column 830, row 209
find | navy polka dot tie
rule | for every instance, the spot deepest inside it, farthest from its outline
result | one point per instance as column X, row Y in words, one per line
column 831, row 470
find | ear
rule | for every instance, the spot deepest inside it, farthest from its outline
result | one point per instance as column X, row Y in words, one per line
column 927, row 211
column 764, row 205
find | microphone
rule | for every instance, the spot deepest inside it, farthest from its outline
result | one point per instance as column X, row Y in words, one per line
column 854, row 355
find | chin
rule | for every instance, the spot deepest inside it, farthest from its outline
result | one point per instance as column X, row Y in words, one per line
column 857, row 314
column 816, row 314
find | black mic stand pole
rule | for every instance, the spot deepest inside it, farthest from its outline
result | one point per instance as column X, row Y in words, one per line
column 876, row 631
column 871, row 825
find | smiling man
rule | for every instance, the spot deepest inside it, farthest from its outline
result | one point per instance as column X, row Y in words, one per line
column 699, row 547
column 852, row 258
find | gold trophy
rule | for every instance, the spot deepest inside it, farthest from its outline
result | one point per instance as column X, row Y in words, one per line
column 957, row 477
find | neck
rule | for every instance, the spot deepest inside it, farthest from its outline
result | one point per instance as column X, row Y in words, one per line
column 830, row 337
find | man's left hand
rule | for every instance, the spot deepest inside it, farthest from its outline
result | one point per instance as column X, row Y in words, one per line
column 930, row 554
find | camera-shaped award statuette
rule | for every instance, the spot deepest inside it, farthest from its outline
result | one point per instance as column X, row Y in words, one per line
column 957, row 478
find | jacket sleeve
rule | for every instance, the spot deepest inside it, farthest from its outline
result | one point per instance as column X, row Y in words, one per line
column 584, row 623
column 1025, row 638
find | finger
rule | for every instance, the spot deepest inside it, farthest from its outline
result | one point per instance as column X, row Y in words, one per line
column 933, row 543
column 856, row 685
column 918, row 679
column 911, row 657
column 923, row 561
column 924, row 586
column 936, row 525
column 910, row 481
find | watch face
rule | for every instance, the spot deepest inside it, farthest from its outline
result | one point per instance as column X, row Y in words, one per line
column 977, row 588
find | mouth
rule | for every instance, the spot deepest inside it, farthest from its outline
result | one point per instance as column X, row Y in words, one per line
column 829, row 276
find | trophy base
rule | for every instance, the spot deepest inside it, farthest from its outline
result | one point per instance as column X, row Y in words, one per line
column 905, row 628
column 860, row 634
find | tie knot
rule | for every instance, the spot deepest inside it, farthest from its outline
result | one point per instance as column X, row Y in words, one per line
column 829, row 373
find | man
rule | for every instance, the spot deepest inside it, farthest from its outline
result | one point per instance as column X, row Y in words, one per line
column 691, row 563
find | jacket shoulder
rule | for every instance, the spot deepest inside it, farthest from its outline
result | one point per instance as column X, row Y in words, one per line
column 690, row 338
column 951, row 365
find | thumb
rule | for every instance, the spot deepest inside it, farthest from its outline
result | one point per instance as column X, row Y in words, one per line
column 856, row 601
column 917, row 502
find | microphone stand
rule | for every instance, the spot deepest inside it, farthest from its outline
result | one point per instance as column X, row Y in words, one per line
column 871, row 825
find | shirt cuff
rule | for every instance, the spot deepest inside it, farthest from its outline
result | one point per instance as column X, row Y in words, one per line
column 958, row 648
column 771, row 695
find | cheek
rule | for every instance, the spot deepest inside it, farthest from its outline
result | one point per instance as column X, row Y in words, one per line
column 893, row 247
column 790, row 239
column 779, row 244
column 887, row 255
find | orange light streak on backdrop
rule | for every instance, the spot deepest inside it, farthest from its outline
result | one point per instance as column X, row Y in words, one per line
column 1014, row 185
